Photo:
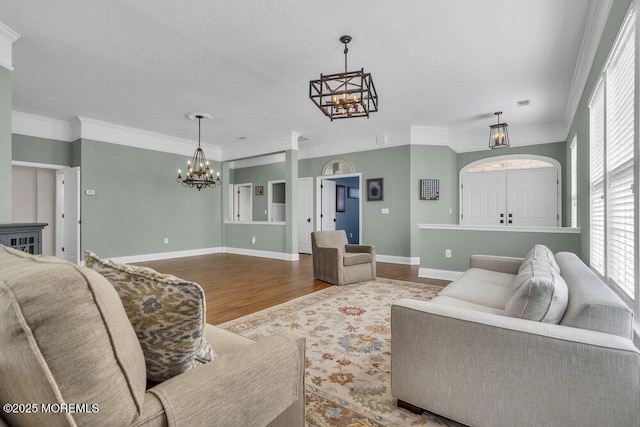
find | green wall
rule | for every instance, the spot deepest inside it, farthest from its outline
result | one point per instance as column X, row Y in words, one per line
column 259, row 175
column 432, row 162
column 580, row 124
column 389, row 233
column 464, row 243
column 269, row 237
column 6, row 213
column 138, row 203
column 42, row 150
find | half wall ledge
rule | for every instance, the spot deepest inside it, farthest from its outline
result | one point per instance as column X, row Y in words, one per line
column 445, row 249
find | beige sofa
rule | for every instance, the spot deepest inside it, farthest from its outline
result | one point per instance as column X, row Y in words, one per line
column 519, row 343
column 69, row 355
column 337, row 262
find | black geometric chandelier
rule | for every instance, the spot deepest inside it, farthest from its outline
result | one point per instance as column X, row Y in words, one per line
column 199, row 173
column 344, row 95
column 498, row 134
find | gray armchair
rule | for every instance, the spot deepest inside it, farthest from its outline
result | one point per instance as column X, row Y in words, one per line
column 337, row 262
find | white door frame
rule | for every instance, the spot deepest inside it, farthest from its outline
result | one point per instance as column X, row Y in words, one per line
column 305, row 248
column 63, row 215
column 319, row 180
column 554, row 162
column 59, row 197
column 236, row 200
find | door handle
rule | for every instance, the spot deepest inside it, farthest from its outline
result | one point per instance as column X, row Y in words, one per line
column 334, row 220
column 308, row 219
column 510, row 221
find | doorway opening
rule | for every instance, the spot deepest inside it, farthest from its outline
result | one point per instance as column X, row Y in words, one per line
column 339, row 205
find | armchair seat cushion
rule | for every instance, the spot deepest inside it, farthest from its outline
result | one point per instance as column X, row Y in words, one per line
column 356, row 258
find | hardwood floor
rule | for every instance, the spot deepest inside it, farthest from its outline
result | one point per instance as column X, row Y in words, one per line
column 237, row 285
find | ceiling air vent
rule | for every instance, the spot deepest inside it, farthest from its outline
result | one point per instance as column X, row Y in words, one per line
column 523, row 103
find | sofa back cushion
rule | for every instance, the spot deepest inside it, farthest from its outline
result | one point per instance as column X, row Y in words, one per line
column 167, row 313
column 540, row 253
column 541, row 293
column 65, row 338
column 592, row 304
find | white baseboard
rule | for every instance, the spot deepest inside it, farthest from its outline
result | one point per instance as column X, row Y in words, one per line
column 398, row 259
column 439, row 274
column 263, row 254
column 167, row 255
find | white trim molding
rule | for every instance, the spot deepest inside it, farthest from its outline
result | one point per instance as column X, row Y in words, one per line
column 258, row 148
column 392, row 259
column 434, row 273
column 263, row 254
column 426, row 135
column 37, row 165
column 512, row 229
column 40, row 126
column 140, row 138
column 7, row 38
column 267, row 159
column 391, row 138
column 596, row 20
column 167, row 255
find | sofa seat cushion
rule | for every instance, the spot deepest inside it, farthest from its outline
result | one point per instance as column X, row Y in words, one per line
column 356, row 258
column 65, row 337
column 482, row 287
column 542, row 294
column 488, row 276
column 224, row 341
column 454, row 302
column 167, row 313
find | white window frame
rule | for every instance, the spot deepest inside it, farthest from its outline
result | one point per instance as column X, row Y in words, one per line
column 609, row 175
column 573, row 149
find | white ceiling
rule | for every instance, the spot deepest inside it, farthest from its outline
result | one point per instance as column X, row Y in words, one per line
column 437, row 63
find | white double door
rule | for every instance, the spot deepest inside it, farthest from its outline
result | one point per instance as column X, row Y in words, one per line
column 513, row 198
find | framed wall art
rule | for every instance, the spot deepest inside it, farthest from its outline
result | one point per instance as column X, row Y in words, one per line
column 375, row 189
column 429, row 189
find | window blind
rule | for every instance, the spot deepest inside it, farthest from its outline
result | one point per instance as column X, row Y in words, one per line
column 596, row 178
column 619, row 161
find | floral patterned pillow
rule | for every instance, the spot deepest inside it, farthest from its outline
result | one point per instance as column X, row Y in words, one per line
column 167, row 313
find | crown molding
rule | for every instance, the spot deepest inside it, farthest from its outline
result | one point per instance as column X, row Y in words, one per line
column 7, row 38
column 427, row 135
column 139, row 138
column 266, row 159
column 259, row 148
column 40, row 126
column 596, row 21
column 392, row 138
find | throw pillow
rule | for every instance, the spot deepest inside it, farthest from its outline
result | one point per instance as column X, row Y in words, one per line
column 167, row 313
column 541, row 294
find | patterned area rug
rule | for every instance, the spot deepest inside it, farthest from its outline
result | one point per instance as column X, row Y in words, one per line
column 348, row 353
